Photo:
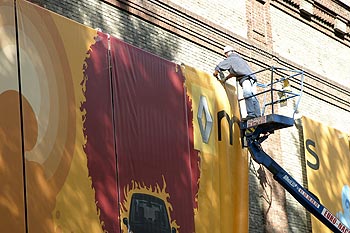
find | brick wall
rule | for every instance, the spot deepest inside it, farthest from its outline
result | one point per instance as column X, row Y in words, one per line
column 229, row 15
column 309, row 47
column 263, row 32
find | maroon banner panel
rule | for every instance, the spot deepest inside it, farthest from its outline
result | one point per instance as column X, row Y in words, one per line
column 98, row 130
column 153, row 146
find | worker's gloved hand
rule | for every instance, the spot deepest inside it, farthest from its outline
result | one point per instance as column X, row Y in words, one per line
column 222, row 76
column 217, row 77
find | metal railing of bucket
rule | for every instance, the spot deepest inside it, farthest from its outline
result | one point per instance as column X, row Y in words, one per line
column 284, row 84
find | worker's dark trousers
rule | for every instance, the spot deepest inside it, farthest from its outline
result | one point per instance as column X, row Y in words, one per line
column 251, row 102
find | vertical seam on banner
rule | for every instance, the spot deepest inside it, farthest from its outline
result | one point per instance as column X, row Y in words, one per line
column 193, row 192
column 21, row 117
column 110, row 74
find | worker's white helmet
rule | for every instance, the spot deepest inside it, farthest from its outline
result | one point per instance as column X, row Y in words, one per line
column 228, row 48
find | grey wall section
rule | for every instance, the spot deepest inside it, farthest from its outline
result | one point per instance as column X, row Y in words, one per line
column 265, row 33
column 230, row 15
column 134, row 30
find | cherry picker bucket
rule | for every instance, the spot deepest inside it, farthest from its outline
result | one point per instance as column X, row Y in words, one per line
column 279, row 98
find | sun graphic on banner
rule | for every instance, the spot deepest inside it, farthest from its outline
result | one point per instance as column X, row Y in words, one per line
column 147, row 209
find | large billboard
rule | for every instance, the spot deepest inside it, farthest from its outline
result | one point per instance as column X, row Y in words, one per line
column 178, row 142
column 327, row 156
column 101, row 136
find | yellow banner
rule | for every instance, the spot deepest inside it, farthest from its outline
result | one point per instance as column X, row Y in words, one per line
column 223, row 183
column 60, row 197
column 327, row 158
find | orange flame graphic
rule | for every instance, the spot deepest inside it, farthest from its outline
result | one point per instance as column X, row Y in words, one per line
column 156, row 191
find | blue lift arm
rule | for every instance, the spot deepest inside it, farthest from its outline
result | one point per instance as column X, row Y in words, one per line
column 262, row 127
column 255, row 131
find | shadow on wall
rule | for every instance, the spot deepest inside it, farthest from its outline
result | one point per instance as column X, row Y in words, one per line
column 118, row 23
column 300, row 140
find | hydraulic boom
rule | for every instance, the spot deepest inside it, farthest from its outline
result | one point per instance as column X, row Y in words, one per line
column 262, row 127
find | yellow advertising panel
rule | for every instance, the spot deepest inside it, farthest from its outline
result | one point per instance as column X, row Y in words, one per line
column 327, row 158
column 60, row 197
column 12, row 205
column 223, row 183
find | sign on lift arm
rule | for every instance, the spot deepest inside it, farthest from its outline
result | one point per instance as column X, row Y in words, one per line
column 335, row 221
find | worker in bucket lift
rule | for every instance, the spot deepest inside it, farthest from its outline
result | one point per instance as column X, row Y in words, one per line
column 240, row 69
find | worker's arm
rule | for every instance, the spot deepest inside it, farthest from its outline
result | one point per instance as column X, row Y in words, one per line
column 215, row 74
column 230, row 75
column 222, row 66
